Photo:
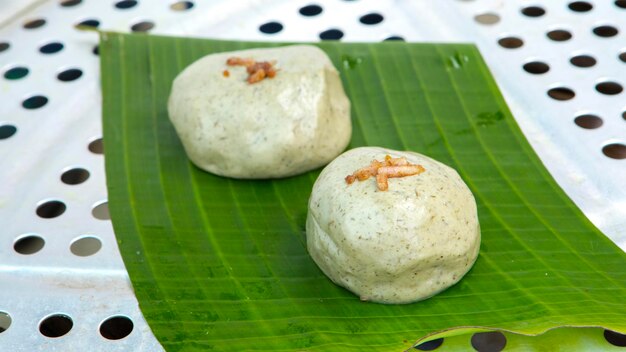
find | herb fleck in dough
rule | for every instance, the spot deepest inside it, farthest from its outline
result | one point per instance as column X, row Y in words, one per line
column 397, row 246
column 294, row 122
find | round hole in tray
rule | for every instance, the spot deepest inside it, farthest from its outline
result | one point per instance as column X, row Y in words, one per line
column 96, row 146
column 331, row 34
column 609, row 88
column 181, row 5
column 16, row 72
column 116, row 327
column 34, row 102
column 615, row 338
column 5, row 321
column 50, row 209
column 533, row 11
column 69, row 75
column 56, row 325
column 4, row 46
column 371, row 18
column 580, row 6
column 536, row 67
column 70, row 3
column 96, row 50
column 615, row 150
column 430, row 345
column 488, row 18
column 36, row 23
column 7, row 131
column 29, row 244
column 605, row 31
column 51, row 48
column 559, row 35
column 74, row 176
column 561, row 93
column 85, row 246
column 510, row 42
column 271, row 27
column 394, row 38
column 143, row 26
column 310, row 10
column 493, row 341
column 125, row 4
column 620, row 3
column 91, row 22
column 100, row 211
column 622, row 56
column 588, row 121
column 583, row 61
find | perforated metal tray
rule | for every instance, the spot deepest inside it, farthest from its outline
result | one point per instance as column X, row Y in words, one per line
column 560, row 65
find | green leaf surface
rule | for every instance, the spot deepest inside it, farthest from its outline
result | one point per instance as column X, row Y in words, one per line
column 221, row 264
column 556, row 340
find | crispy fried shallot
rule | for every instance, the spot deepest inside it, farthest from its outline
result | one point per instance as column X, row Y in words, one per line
column 237, row 61
column 257, row 71
column 383, row 170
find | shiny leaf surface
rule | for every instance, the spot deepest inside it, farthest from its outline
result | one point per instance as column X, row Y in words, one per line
column 221, row 264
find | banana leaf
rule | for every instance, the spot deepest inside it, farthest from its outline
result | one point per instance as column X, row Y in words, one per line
column 221, row 264
column 556, row 340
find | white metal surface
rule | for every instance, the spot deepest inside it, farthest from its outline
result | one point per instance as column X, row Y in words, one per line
column 38, row 145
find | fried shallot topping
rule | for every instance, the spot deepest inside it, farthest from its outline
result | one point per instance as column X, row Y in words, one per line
column 257, row 71
column 226, row 73
column 382, row 170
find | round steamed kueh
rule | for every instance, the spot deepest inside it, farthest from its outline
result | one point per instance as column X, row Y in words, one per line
column 292, row 123
column 397, row 246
